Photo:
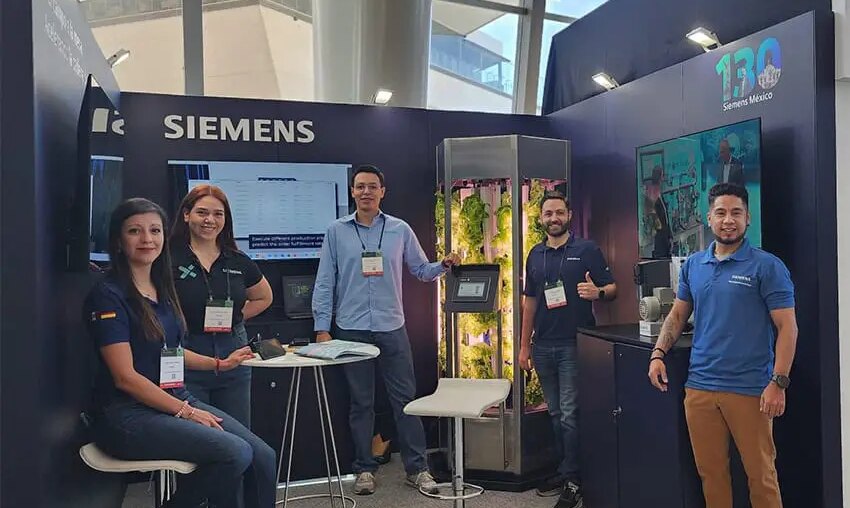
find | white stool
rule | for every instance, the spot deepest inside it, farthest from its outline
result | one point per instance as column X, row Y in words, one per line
column 165, row 481
column 460, row 398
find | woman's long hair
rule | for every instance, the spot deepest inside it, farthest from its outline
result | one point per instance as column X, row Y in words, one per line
column 161, row 275
column 180, row 230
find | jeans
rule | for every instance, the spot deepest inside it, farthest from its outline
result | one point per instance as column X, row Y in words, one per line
column 229, row 391
column 396, row 365
column 130, row 430
column 557, row 368
column 712, row 418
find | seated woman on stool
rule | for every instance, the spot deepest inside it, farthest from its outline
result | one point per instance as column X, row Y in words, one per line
column 143, row 410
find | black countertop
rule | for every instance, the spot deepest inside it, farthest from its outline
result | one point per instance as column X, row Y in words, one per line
column 630, row 334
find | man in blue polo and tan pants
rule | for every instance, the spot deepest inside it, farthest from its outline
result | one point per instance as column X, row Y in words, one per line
column 745, row 334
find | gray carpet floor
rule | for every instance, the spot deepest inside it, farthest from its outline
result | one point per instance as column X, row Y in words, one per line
column 391, row 492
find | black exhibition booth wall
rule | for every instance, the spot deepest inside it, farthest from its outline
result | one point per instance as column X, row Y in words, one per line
column 402, row 142
column 47, row 55
column 798, row 212
column 629, row 39
column 45, row 357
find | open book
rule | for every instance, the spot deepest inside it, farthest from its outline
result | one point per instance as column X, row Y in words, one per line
column 334, row 349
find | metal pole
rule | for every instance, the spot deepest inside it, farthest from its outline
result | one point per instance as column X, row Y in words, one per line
column 324, row 437
column 292, row 438
column 458, row 468
column 193, row 47
column 331, row 432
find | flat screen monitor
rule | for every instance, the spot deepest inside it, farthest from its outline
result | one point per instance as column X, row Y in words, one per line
column 105, row 193
column 280, row 210
column 298, row 296
column 673, row 180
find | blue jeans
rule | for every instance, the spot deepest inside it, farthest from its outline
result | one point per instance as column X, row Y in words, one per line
column 130, row 430
column 229, row 391
column 557, row 368
column 396, row 365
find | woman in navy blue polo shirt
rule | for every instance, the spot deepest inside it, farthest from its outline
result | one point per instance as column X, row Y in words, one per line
column 219, row 288
column 143, row 412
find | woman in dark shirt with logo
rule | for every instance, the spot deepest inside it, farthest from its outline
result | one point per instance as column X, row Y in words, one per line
column 219, row 287
column 143, row 410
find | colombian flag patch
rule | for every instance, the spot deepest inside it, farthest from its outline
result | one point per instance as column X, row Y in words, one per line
column 100, row 316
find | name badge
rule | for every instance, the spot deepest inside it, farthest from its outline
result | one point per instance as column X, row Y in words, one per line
column 218, row 316
column 373, row 264
column 171, row 368
column 555, row 295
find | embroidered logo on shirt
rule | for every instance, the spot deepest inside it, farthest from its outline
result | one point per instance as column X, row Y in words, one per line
column 187, row 271
column 232, row 272
column 100, row 316
column 742, row 280
column 573, row 259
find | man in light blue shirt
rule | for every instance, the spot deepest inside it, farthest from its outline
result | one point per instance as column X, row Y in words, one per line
column 359, row 278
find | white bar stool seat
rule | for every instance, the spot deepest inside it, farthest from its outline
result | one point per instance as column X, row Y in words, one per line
column 96, row 459
column 460, row 398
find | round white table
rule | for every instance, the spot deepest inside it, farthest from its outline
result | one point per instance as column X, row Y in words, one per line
column 297, row 363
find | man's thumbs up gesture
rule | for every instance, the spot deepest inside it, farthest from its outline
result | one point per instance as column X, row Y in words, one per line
column 587, row 289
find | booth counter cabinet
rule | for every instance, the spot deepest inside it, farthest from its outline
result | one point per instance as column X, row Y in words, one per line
column 634, row 444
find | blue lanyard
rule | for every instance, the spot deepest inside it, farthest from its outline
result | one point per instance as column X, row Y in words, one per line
column 380, row 241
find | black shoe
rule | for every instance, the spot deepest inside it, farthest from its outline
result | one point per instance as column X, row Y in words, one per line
column 550, row 487
column 570, row 497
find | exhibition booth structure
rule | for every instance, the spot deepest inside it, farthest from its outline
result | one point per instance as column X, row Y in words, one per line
column 636, row 163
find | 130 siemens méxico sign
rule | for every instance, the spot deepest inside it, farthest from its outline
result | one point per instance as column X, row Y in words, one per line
column 746, row 70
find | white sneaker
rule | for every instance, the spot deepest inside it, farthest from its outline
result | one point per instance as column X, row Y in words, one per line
column 423, row 481
column 365, row 484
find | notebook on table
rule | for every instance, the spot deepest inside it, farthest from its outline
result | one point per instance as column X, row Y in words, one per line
column 335, row 349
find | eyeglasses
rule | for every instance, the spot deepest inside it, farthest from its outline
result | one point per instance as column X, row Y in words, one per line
column 372, row 187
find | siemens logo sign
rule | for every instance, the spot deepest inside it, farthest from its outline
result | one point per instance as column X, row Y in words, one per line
column 243, row 129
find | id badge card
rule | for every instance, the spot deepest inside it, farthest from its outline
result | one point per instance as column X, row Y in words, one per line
column 171, row 368
column 555, row 295
column 373, row 264
column 218, row 316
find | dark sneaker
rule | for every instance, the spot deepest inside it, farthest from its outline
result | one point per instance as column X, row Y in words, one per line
column 550, row 487
column 570, row 497
column 365, row 484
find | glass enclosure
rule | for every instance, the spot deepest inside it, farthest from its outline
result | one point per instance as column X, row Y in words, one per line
column 487, row 210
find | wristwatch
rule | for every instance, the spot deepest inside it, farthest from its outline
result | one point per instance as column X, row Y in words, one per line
column 602, row 294
column 781, row 381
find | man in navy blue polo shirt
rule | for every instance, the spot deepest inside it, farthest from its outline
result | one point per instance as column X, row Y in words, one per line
column 744, row 340
column 563, row 276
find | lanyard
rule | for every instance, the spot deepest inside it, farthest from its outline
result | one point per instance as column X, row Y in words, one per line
column 560, row 266
column 207, row 280
column 380, row 241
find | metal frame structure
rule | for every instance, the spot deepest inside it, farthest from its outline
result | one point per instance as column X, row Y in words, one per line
column 517, row 158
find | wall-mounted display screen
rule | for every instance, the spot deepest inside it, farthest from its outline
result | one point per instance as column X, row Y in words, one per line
column 104, row 195
column 280, row 210
column 673, row 180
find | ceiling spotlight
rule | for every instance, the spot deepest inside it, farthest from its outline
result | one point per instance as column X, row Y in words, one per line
column 118, row 57
column 382, row 96
column 604, row 80
column 704, row 37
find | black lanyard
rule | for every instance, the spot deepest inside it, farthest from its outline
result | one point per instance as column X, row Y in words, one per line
column 207, row 280
column 380, row 241
column 560, row 266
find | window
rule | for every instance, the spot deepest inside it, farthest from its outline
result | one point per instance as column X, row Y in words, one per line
column 473, row 55
column 550, row 28
column 572, row 8
column 260, row 50
column 152, row 30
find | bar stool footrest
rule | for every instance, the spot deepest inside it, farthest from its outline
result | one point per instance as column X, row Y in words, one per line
column 475, row 491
